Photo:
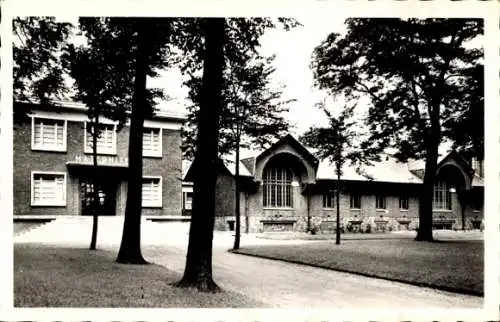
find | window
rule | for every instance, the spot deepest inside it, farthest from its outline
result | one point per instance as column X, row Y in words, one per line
column 106, row 141
column 329, row 199
column 48, row 134
column 151, row 142
column 442, row 196
column 355, row 201
column 48, row 189
column 380, row 202
column 477, row 203
column 403, row 202
column 277, row 188
column 151, row 192
column 188, row 200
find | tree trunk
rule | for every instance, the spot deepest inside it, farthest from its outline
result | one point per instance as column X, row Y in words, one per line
column 95, row 188
column 424, row 232
column 237, row 200
column 198, row 270
column 130, row 248
column 337, row 201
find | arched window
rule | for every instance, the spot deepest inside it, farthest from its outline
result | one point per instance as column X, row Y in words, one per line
column 442, row 196
column 277, row 188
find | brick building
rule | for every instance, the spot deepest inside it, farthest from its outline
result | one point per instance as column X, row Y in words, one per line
column 285, row 188
column 53, row 162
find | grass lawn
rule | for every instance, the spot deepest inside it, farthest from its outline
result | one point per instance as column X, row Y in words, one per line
column 46, row 276
column 21, row 227
column 438, row 235
column 449, row 265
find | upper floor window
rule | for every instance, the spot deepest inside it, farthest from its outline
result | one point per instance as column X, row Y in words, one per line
column 106, row 140
column 48, row 134
column 152, row 142
column 48, row 189
column 355, row 201
column 151, row 192
column 403, row 202
column 442, row 196
column 380, row 202
column 277, row 188
column 328, row 199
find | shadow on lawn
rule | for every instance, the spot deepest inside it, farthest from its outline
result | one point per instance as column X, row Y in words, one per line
column 48, row 276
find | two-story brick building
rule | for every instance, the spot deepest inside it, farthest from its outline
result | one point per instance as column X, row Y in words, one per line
column 285, row 188
column 53, row 163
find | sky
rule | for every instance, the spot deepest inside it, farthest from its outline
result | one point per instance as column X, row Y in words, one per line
column 293, row 51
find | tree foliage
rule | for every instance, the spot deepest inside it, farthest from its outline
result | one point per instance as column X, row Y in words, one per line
column 253, row 111
column 110, row 72
column 415, row 72
column 416, row 75
column 340, row 143
column 236, row 40
column 250, row 104
column 40, row 58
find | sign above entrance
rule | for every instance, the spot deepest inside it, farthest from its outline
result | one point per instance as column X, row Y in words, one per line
column 102, row 160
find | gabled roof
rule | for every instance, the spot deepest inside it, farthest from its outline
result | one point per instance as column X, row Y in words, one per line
column 225, row 167
column 459, row 159
column 290, row 140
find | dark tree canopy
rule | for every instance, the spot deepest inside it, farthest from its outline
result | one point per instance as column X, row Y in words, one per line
column 416, row 73
column 252, row 114
column 41, row 60
column 206, row 47
column 419, row 76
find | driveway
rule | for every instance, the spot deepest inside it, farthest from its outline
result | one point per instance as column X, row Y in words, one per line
column 287, row 285
column 279, row 284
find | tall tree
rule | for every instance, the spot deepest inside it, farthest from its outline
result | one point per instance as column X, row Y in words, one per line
column 252, row 115
column 149, row 53
column 198, row 271
column 340, row 144
column 240, row 41
column 111, row 72
column 414, row 73
column 40, row 60
column 97, row 84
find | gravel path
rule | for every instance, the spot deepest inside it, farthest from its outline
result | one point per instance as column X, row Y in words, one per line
column 286, row 285
column 275, row 283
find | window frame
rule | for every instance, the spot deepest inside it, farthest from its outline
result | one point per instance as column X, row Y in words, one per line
column 58, row 203
column 383, row 200
column 445, row 202
column 477, row 204
column 150, row 153
column 285, row 193
column 42, row 147
column 88, row 149
column 351, row 196
column 407, row 201
column 158, row 203
column 329, row 196
column 184, row 199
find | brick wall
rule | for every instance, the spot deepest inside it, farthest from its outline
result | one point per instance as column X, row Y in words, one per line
column 26, row 160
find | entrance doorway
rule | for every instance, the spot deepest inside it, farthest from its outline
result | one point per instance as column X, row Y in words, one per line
column 106, row 205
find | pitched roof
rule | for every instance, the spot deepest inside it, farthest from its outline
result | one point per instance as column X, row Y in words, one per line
column 228, row 167
column 289, row 139
column 388, row 170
